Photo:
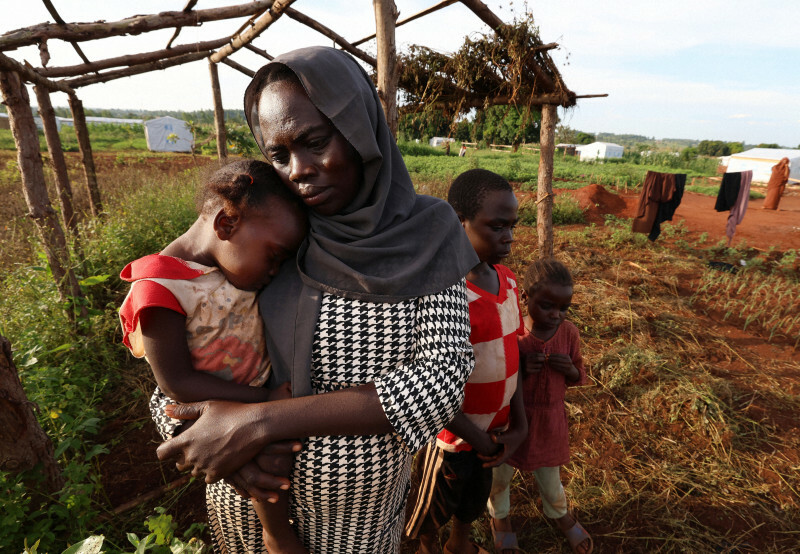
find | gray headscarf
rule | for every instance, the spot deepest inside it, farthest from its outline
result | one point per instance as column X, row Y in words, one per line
column 389, row 244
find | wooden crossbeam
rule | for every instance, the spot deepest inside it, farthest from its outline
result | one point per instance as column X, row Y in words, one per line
column 80, row 32
column 338, row 39
column 132, row 59
column 134, row 70
column 30, row 75
column 436, row 7
column 259, row 51
column 187, row 8
column 238, row 67
column 258, row 27
column 52, row 9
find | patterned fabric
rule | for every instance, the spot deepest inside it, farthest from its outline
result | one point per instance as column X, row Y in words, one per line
column 496, row 322
column 348, row 492
column 223, row 328
column 547, row 444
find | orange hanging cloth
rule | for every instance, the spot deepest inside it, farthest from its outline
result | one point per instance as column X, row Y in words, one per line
column 777, row 183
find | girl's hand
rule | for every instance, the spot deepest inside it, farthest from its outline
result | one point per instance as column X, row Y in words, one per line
column 534, row 363
column 262, row 477
column 508, row 441
column 225, row 436
column 485, row 447
column 562, row 364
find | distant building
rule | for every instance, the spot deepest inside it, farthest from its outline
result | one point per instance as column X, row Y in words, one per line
column 168, row 134
column 599, row 151
column 761, row 160
column 438, row 141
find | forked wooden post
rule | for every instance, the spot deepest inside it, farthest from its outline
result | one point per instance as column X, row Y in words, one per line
column 63, row 186
column 219, row 113
column 385, row 19
column 544, row 187
column 40, row 210
column 89, row 173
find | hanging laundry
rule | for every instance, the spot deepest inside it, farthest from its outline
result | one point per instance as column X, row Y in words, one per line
column 777, row 182
column 658, row 187
column 667, row 208
column 728, row 191
column 740, row 206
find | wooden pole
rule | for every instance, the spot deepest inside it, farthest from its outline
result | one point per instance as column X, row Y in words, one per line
column 239, row 67
column 57, row 160
column 385, row 18
column 134, row 70
column 79, row 32
column 89, row 173
column 544, row 187
column 439, row 6
column 259, row 51
column 23, row 442
column 219, row 113
column 338, row 39
column 258, row 27
column 27, row 73
column 26, row 138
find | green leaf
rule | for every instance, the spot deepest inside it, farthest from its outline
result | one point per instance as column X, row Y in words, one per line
column 93, row 280
column 91, row 545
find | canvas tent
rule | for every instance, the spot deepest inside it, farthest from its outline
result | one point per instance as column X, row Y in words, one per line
column 168, row 134
column 600, row 151
column 761, row 160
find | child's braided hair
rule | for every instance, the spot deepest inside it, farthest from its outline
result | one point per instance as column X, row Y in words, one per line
column 242, row 184
column 546, row 271
column 468, row 190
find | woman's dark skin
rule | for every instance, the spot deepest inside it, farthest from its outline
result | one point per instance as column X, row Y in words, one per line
column 313, row 159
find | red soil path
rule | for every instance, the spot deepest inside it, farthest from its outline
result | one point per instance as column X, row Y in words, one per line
column 760, row 228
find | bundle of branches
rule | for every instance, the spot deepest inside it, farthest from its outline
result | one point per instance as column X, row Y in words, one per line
column 510, row 66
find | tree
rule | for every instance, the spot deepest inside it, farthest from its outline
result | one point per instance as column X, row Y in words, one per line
column 713, row 148
column 565, row 135
column 584, row 138
column 511, row 125
column 768, row 145
column 736, row 147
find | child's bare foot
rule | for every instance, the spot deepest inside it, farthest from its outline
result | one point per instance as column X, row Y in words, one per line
column 505, row 539
column 578, row 538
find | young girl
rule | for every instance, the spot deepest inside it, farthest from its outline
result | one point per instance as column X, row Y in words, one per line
column 551, row 358
column 192, row 311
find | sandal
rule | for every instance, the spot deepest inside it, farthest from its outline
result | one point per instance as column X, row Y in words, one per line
column 504, row 540
column 577, row 535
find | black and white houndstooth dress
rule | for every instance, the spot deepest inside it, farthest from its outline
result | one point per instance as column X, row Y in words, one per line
column 349, row 492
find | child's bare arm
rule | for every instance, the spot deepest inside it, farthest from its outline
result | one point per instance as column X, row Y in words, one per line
column 517, row 430
column 480, row 440
column 164, row 338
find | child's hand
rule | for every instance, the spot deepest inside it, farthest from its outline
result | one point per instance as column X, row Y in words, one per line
column 281, row 392
column 534, row 363
column 562, row 364
column 486, row 447
column 508, row 441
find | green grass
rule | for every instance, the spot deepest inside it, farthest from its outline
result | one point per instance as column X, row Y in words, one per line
column 714, row 190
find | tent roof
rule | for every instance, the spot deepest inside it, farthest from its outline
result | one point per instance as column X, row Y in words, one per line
column 769, row 154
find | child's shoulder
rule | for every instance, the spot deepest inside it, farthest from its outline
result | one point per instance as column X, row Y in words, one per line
column 569, row 329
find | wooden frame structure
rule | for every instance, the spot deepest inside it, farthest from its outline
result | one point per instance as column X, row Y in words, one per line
column 550, row 91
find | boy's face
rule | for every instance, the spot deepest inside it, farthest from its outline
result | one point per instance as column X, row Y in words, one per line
column 491, row 231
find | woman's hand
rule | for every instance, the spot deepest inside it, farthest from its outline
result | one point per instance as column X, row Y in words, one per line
column 225, row 436
column 262, row 477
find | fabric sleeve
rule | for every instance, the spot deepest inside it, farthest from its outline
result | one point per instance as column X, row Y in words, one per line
column 577, row 358
column 167, row 427
column 143, row 294
column 423, row 395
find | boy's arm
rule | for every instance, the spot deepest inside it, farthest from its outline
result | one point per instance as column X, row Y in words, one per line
column 478, row 439
column 517, row 430
column 164, row 339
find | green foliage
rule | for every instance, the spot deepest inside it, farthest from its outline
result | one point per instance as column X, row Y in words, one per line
column 768, row 145
column 64, row 363
column 713, row 148
column 713, row 190
column 241, row 141
column 584, row 138
column 509, row 125
column 566, row 211
column 413, row 148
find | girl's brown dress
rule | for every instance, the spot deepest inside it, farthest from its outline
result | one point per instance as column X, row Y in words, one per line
column 777, row 182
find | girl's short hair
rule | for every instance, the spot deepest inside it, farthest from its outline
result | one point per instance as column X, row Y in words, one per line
column 546, row 271
column 468, row 190
column 242, row 184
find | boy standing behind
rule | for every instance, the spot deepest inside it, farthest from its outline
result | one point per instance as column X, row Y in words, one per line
column 456, row 473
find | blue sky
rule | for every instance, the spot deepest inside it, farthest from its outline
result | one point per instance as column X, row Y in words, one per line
column 702, row 69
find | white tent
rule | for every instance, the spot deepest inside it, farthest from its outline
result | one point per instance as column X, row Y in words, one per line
column 761, row 160
column 600, row 150
column 168, row 134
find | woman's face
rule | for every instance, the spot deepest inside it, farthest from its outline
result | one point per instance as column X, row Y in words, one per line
column 310, row 155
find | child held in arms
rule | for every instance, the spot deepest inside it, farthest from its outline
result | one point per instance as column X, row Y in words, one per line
column 192, row 311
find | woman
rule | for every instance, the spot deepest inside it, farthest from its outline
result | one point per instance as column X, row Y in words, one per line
column 370, row 325
column 777, row 182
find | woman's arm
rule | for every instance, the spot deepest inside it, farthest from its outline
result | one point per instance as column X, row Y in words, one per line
column 416, row 400
column 164, row 339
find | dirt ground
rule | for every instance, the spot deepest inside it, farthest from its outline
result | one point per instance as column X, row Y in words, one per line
column 761, row 229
